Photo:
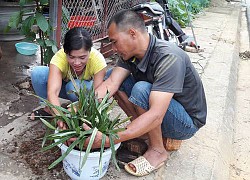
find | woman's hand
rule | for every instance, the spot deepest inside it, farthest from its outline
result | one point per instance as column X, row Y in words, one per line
column 63, row 126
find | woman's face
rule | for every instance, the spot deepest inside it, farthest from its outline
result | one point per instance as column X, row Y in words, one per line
column 78, row 59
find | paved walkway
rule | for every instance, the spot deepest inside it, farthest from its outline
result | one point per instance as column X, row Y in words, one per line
column 208, row 154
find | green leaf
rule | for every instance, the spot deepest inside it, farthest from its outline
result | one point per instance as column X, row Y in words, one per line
column 54, row 48
column 112, row 146
column 101, row 152
column 47, row 124
column 64, row 154
column 104, row 100
column 61, row 141
column 41, row 42
column 15, row 19
column 58, row 109
column 44, row 2
column 74, row 83
column 45, row 137
column 42, row 22
column 91, row 141
column 48, row 55
column 62, row 133
column 27, row 24
column 49, row 42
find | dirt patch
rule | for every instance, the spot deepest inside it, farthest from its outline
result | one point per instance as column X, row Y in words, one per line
column 24, row 103
column 26, row 149
column 24, row 84
column 27, row 101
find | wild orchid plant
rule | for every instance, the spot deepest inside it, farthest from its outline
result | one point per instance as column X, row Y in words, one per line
column 86, row 110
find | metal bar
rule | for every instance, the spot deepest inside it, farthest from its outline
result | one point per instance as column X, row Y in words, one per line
column 191, row 25
column 59, row 22
column 53, row 18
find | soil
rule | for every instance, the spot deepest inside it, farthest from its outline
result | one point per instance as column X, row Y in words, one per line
column 25, row 102
column 26, row 149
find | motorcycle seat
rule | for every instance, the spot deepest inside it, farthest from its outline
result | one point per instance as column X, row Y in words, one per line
column 154, row 7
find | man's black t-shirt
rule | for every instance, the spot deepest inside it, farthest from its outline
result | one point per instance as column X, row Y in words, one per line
column 169, row 69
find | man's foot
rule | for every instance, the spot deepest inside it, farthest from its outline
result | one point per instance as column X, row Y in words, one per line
column 37, row 114
column 152, row 160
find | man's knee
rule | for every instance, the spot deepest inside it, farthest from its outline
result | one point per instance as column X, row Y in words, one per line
column 141, row 89
column 140, row 94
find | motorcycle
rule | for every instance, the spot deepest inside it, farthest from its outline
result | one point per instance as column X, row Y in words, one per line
column 159, row 22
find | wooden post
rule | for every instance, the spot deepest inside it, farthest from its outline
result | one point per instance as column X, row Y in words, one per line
column 59, row 23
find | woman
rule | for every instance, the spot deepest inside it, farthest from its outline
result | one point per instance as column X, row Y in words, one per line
column 77, row 58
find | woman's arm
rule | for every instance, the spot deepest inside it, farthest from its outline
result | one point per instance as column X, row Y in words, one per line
column 54, row 84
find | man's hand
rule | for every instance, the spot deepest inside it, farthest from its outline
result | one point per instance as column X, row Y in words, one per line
column 98, row 139
column 61, row 125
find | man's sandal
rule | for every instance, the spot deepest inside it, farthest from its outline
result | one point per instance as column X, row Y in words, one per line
column 39, row 113
column 142, row 166
column 130, row 150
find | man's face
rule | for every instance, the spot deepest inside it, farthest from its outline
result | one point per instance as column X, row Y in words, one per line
column 121, row 41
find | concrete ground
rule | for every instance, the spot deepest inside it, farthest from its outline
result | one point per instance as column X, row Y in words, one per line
column 210, row 154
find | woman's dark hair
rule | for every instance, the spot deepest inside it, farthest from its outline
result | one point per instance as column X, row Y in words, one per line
column 77, row 38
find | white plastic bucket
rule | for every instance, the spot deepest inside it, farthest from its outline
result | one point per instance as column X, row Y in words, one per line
column 90, row 170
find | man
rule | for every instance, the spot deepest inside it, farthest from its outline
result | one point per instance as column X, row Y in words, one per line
column 156, row 83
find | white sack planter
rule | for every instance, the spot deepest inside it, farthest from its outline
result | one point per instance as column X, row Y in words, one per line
column 90, row 170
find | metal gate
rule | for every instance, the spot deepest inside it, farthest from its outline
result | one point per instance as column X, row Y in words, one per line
column 94, row 15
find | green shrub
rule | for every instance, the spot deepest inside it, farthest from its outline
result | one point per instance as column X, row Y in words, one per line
column 179, row 10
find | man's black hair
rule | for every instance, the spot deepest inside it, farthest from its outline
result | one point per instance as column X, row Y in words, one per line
column 77, row 38
column 126, row 19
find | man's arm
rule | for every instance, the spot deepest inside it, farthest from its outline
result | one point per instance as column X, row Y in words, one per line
column 158, row 105
column 113, row 83
column 158, row 102
column 98, row 78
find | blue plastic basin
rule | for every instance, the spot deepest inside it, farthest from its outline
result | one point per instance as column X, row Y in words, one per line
column 26, row 48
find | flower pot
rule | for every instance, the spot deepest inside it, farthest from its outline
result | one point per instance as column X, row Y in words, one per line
column 90, row 170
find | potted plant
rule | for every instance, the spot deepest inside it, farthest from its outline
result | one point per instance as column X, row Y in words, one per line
column 80, row 163
column 35, row 26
